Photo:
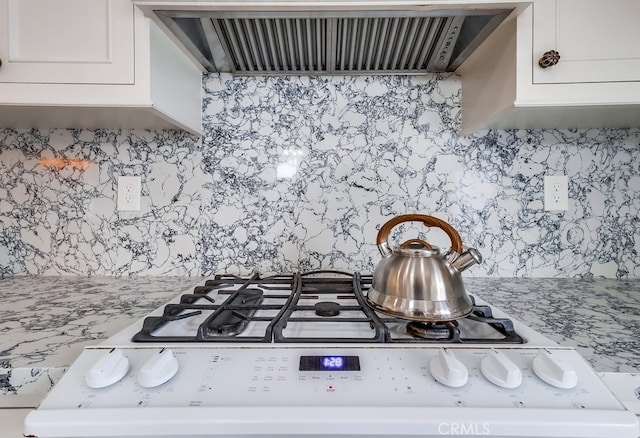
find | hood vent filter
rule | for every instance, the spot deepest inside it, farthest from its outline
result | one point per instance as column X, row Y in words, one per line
column 300, row 44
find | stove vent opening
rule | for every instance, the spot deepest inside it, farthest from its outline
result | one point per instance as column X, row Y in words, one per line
column 271, row 45
column 383, row 42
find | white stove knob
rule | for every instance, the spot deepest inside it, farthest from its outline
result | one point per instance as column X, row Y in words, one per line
column 554, row 371
column 500, row 370
column 159, row 369
column 109, row 369
column 448, row 370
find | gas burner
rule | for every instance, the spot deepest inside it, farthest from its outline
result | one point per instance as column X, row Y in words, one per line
column 234, row 316
column 327, row 308
column 444, row 330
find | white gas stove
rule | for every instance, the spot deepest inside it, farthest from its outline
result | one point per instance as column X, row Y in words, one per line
column 303, row 355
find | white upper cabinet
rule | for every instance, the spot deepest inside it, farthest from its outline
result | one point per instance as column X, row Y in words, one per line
column 67, row 41
column 595, row 82
column 597, row 40
column 92, row 64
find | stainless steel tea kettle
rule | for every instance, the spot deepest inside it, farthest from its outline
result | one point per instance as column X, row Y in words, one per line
column 416, row 281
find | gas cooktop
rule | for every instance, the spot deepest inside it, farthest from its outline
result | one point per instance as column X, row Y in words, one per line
column 304, row 355
column 315, row 307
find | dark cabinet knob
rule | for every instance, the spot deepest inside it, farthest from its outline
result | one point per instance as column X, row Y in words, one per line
column 549, row 59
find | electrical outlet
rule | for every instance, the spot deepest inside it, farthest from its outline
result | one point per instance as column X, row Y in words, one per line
column 556, row 192
column 129, row 193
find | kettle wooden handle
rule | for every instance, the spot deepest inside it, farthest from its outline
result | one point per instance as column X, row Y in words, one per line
column 428, row 221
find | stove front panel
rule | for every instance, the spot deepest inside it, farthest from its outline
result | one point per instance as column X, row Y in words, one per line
column 386, row 377
column 245, row 384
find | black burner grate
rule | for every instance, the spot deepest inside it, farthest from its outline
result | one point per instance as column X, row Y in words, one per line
column 229, row 319
column 450, row 332
column 317, row 289
column 314, row 307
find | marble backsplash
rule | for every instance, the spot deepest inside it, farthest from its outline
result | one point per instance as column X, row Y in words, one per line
column 299, row 173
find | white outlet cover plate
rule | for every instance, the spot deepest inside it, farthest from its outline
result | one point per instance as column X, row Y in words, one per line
column 556, row 192
column 128, row 193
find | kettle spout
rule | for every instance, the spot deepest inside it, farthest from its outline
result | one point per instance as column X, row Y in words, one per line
column 467, row 259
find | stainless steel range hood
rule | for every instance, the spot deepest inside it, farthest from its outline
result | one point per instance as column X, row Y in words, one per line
column 305, row 40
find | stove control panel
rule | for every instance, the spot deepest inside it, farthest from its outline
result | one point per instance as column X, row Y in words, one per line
column 339, row 390
column 458, row 377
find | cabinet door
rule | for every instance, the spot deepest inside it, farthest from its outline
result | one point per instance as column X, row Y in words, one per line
column 67, row 41
column 597, row 40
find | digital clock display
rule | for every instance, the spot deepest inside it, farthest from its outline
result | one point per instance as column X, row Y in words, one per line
column 329, row 363
column 333, row 362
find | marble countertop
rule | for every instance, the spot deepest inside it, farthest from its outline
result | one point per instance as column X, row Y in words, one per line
column 599, row 318
column 46, row 321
